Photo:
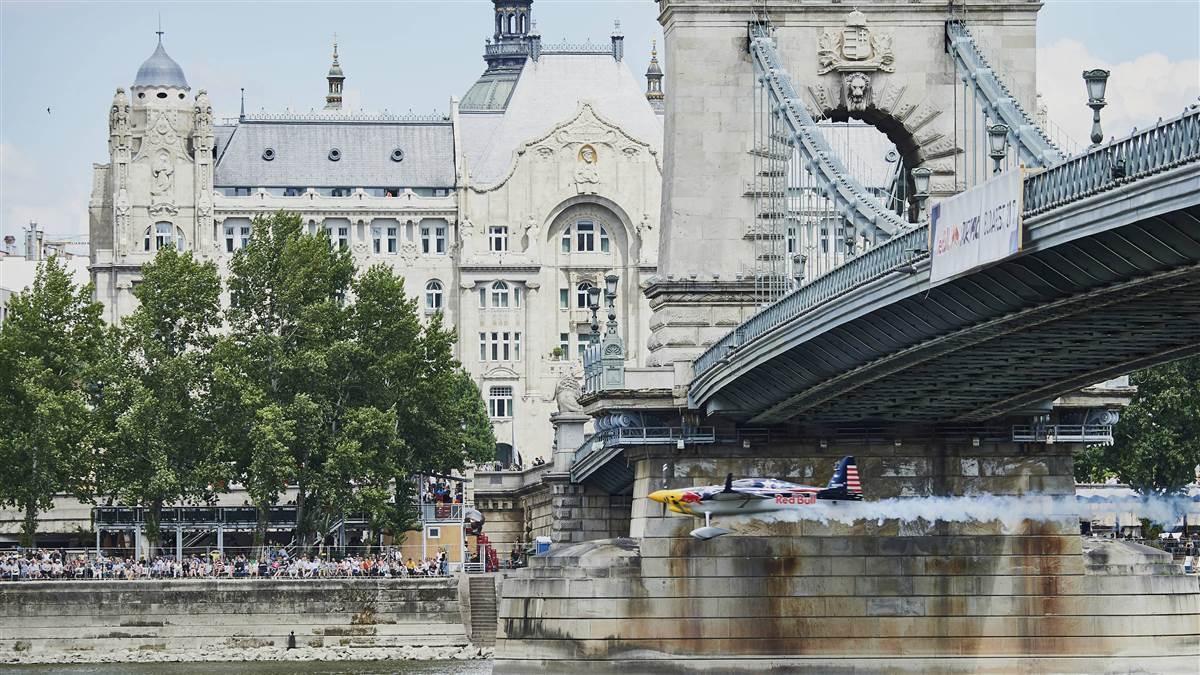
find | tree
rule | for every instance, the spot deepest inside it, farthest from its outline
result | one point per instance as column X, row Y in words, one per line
column 1157, row 441
column 287, row 319
column 51, row 338
column 158, row 446
column 361, row 395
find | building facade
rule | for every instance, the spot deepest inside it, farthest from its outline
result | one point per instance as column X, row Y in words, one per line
column 500, row 215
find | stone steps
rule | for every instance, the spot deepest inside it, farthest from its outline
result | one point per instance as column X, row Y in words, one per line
column 483, row 610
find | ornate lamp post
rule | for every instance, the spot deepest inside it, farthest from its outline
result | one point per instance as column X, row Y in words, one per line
column 920, row 177
column 593, row 294
column 997, row 145
column 1096, row 81
column 610, row 294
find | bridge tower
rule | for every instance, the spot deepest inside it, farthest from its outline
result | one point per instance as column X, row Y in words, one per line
column 881, row 62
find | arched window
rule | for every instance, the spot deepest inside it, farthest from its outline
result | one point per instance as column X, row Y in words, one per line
column 587, row 234
column 504, row 454
column 500, row 294
column 581, row 294
column 433, row 296
column 512, row 20
column 165, row 234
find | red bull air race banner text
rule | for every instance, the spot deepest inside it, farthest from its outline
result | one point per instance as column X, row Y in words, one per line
column 978, row 227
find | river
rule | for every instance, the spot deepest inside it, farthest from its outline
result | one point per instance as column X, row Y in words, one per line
column 260, row 668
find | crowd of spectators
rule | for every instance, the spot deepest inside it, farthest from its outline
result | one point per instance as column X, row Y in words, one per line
column 438, row 491
column 51, row 565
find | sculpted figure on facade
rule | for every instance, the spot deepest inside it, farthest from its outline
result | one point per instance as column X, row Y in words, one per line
column 529, row 238
column 162, row 197
column 644, row 230
column 854, row 48
column 202, row 113
column 118, row 123
column 856, row 91
column 586, row 174
column 567, row 393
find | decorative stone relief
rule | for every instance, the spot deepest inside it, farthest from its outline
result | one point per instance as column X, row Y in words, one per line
column 889, row 96
column 645, row 231
column 855, row 48
column 162, row 185
column 530, row 234
column 856, row 91
column 408, row 252
column 586, row 174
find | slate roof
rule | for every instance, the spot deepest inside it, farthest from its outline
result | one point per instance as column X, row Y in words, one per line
column 160, row 70
column 302, row 154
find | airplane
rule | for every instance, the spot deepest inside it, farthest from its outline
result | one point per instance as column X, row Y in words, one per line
column 757, row 495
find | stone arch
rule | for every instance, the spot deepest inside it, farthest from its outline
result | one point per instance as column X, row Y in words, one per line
column 616, row 220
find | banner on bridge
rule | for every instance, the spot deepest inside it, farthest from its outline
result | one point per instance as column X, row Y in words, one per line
column 978, row 227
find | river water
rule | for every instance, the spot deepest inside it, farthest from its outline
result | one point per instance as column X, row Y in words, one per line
column 261, row 668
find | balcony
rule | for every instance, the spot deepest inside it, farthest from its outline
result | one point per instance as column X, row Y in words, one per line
column 1063, row 433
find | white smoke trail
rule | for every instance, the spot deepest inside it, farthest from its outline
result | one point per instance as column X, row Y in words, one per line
column 1008, row 510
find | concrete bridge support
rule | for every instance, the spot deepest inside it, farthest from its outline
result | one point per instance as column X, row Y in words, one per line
column 885, row 595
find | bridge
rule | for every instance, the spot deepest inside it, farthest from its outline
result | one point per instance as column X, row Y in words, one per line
column 803, row 311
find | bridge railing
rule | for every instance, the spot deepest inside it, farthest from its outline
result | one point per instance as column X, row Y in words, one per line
column 896, row 253
column 1165, row 145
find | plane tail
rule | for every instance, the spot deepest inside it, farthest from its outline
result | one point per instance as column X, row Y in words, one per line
column 845, row 483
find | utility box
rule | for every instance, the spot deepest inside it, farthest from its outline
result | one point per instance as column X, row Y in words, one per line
column 541, row 545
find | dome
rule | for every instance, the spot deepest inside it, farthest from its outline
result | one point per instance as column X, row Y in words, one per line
column 160, row 70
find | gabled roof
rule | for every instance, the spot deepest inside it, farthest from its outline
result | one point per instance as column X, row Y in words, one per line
column 548, row 93
column 302, row 147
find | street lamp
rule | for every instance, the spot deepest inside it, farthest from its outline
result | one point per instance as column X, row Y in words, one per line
column 593, row 294
column 920, row 177
column 997, row 145
column 610, row 293
column 1096, row 80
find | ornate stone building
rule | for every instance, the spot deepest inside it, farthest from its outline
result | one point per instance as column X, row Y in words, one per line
column 500, row 215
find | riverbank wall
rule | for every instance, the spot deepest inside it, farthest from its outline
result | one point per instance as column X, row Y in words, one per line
column 85, row 620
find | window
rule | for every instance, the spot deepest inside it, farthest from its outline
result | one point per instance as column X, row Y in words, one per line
column 498, row 238
column 483, row 292
column 586, row 233
column 499, row 294
column 500, row 402
column 793, row 241
column 376, row 239
column 295, row 192
column 433, row 239
column 564, row 298
column 165, row 234
column 581, row 294
column 343, row 237
column 564, row 346
column 585, row 236
column 229, row 239
column 433, row 296
column 433, row 532
column 499, row 346
column 391, row 240
column 236, row 237
column 245, row 232
column 582, row 341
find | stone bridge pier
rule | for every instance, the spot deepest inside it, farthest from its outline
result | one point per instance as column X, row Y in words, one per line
column 881, row 595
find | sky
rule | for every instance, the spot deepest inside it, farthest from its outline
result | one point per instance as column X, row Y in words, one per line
column 61, row 61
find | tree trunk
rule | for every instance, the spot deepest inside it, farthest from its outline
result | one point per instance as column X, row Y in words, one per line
column 29, row 524
column 301, row 533
column 153, row 532
column 260, row 530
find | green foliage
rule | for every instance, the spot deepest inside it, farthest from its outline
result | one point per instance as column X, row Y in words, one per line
column 154, row 403
column 361, row 395
column 313, row 377
column 1158, row 438
column 48, row 345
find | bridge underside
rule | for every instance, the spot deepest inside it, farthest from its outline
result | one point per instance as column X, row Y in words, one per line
column 996, row 341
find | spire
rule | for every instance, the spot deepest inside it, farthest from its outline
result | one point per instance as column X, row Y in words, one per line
column 654, row 77
column 242, row 114
column 333, row 99
column 618, row 41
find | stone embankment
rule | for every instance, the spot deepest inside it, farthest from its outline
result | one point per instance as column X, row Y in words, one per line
column 232, row 620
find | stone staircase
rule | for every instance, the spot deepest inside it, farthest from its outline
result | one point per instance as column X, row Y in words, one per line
column 483, row 610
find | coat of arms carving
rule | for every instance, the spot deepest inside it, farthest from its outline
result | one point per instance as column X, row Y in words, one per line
column 855, row 48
